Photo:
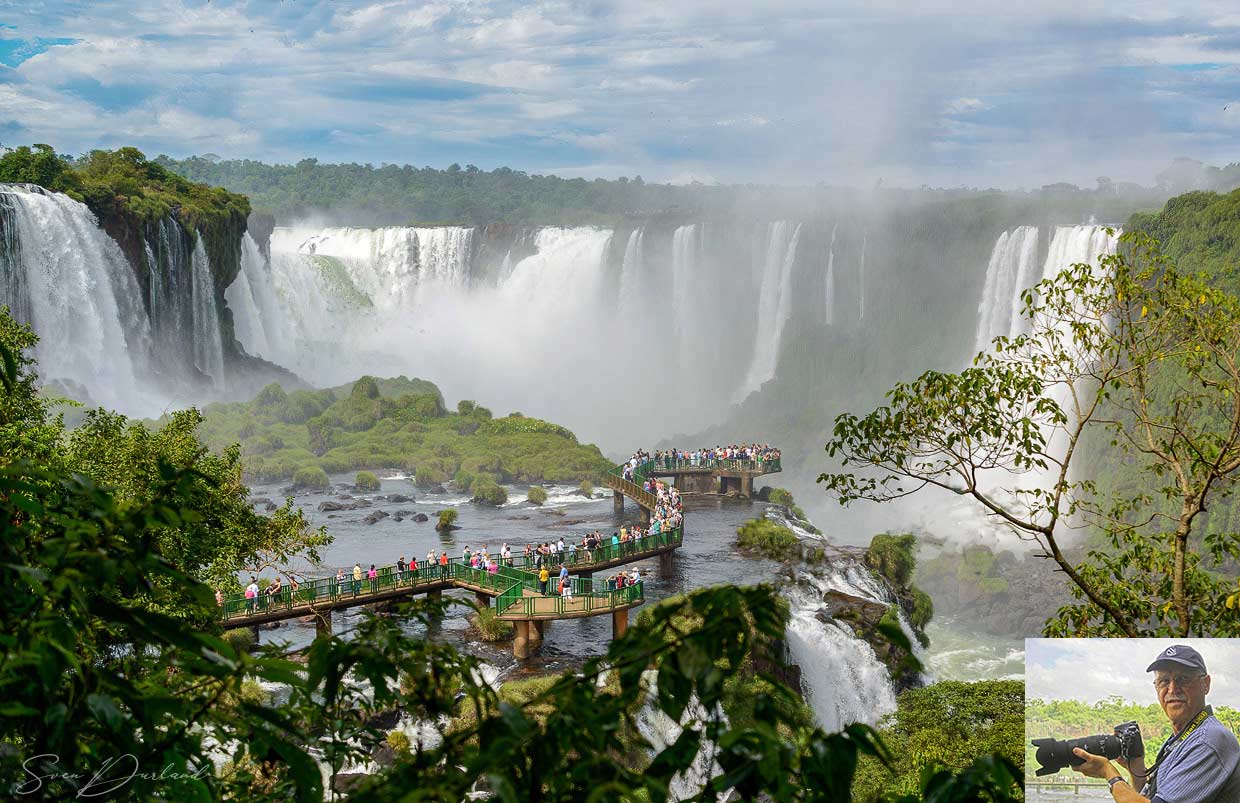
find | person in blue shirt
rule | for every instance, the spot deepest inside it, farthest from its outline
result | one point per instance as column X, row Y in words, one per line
column 1199, row 763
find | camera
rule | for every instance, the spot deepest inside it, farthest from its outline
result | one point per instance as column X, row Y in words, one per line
column 1054, row 754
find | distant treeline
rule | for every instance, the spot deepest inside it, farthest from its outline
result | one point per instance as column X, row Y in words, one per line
column 365, row 194
column 1071, row 719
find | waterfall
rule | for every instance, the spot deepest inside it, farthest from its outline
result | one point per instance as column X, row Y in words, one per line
column 861, row 280
column 774, row 301
column 252, row 298
column 208, row 346
column 843, row 678
column 1008, row 275
column 829, row 313
column 391, row 265
column 631, row 296
column 64, row 276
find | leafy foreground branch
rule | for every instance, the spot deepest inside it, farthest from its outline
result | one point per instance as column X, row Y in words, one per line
column 90, row 677
column 1134, row 354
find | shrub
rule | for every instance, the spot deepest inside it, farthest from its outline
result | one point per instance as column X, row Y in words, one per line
column 487, row 492
column 464, row 480
column 892, row 556
column 586, row 489
column 778, row 496
column 923, row 609
column 311, row 478
column 446, row 519
column 489, row 627
column 769, row 539
column 366, row 481
column 428, row 476
column 240, row 639
column 536, row 495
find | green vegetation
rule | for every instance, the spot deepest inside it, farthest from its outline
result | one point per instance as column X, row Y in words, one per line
column 586, row 489
column 893, row 556
column 768, row 539
column 536, row 495
column 489, row 627
column 394, row 423
column 948, row 724
column 487, row 492
column 447, row 520
column 366, row 481
column 311, row 478
column 780, row 496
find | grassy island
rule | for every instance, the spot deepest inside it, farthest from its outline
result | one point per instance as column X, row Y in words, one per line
column 396, row 423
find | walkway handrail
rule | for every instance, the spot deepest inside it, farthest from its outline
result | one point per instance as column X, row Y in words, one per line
column 757, row 466
column 525, row 607
column 630, row 488
column 510, row 581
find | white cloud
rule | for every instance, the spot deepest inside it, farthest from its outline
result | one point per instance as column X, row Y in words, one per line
column 1090, row 670
column 965, row 106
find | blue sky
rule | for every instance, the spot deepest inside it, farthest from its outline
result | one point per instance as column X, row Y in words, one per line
column 947, row 94
column 1090, row 670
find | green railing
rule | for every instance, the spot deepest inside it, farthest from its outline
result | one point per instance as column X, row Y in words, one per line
column 763, row 466
column 509, row 581
column 524, row 607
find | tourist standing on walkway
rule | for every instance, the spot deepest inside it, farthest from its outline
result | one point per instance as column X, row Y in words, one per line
column 373, row 577
column 400, row 568
column 543, row 577
column 443, row 566
column 251, row 594
column 357, row 579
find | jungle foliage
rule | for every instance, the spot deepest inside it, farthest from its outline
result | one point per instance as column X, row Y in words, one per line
column 949, row 724
column 125, row 181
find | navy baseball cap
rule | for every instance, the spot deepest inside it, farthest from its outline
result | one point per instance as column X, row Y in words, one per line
column 1181, row 654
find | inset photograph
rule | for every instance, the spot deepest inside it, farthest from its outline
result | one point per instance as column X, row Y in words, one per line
column 1132, row 720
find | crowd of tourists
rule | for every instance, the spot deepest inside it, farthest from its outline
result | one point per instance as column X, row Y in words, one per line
column 667, row 516
column 754, row 455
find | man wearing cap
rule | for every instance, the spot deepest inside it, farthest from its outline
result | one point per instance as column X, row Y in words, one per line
column 1200, row 763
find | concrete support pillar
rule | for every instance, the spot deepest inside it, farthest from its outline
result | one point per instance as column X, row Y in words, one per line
column 665, row 564
column 645, row 517
column 538, row 628
column 617, row 502
column 254, row 630
column 484, row 601
column 521, row 644
column 434, row 595
column 322, row 623
column 746, row 485
column 619, row 622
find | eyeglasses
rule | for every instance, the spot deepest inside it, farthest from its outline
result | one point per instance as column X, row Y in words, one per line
column 1181, row 681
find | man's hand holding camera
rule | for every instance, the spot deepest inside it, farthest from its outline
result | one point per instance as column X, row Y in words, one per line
column 1131, row 757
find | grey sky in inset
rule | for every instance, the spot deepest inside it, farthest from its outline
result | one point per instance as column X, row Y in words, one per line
column 1090, row 670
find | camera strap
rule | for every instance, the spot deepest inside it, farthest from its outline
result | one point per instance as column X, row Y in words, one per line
column 1150, row 781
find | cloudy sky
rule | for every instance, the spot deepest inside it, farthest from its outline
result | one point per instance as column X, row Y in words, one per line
column 949, row 94
column 1094, row 669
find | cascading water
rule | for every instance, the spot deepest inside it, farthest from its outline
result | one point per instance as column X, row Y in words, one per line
column 1008, row 275
column 252, row 299
column 72, row 284
column 208, row 346
column 631, row 289
column 774, row 300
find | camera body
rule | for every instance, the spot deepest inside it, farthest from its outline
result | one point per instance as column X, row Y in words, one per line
column 1055, row 754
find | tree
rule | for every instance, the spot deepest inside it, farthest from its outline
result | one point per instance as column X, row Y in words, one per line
column 1135, row 353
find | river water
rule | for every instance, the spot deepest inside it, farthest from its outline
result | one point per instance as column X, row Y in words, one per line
column 708, row 556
